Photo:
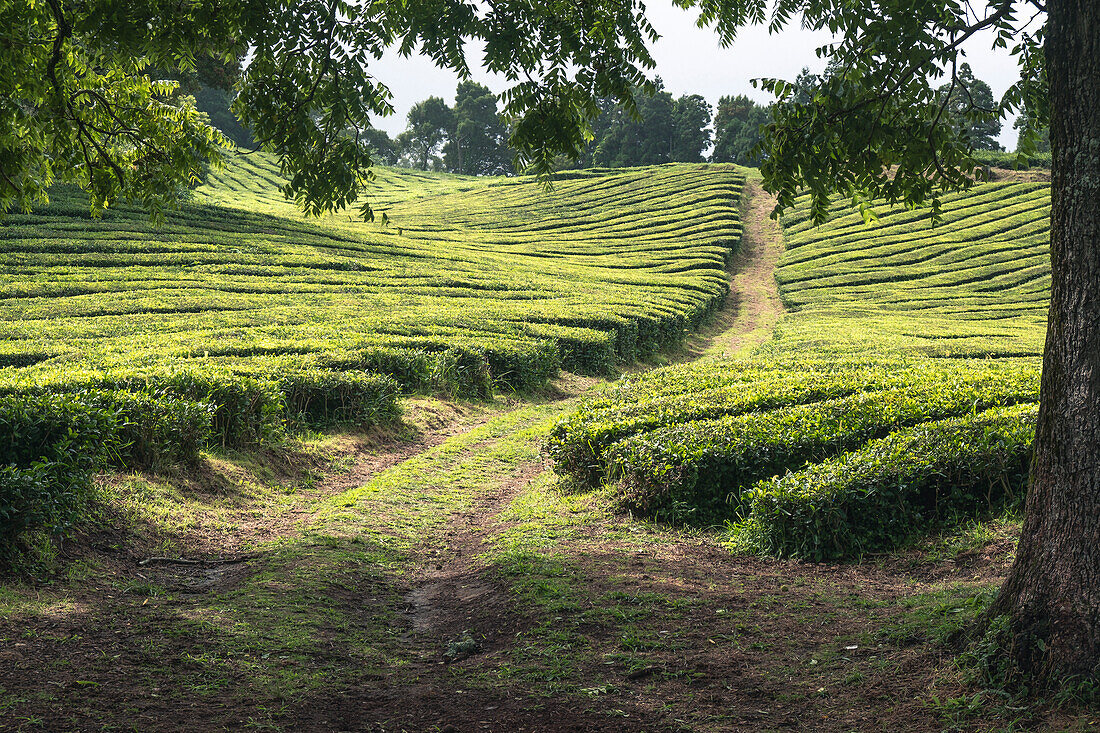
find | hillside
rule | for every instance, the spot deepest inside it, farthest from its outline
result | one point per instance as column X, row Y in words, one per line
column 896, row 394
column 137, row 346
column 976, row 285
column 420, row 566
column 602, row 268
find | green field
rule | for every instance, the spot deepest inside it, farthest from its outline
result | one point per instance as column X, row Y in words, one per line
column 239, row 319
column 975, row 286
column 896, row 394
column 133, row 345
column 602, row 268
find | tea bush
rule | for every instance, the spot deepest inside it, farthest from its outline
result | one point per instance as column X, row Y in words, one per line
column 894, row 488
column 50, row 447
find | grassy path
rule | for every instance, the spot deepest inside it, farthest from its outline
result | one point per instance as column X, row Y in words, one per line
column 459, row 589
column 756, row 306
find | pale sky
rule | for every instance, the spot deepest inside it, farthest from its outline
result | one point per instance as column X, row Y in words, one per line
column 690, row 61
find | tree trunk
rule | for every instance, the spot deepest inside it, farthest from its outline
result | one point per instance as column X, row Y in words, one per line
column 1052, row 595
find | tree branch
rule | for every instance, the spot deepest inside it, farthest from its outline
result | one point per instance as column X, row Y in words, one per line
column 64, row 32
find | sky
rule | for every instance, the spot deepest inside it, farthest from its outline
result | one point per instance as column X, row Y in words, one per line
column 690, row 61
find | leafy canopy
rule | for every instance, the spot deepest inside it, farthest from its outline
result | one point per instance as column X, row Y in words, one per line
column 478, row 144
column 875, row 125
column 77, row 103
column 737, row 126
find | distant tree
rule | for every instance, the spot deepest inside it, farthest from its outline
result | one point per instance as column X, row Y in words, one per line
column 1034, row 136
column 1034, row 123
column 690, row 128
column 599, row 126
column 971, row 106
column 660, row 130
column 737, row 130
column 383, row 149
column 208, row 88
column 211, row 83
column 645, row 139
column 478, row 143
column 806, row 84
column 422, row 143
column 216, row 104
column 1039, row 134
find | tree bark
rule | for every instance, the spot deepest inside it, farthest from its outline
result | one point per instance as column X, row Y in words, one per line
column 1051, row 597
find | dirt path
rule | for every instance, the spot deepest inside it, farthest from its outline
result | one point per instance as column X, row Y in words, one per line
column 444, row 594
column 749, row 313
column 753, row 306
column 591, row 621
column 756, row 295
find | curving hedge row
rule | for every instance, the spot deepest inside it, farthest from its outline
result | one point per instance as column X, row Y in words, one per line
column 679, row 429
column 473, row 285
column 893, row 488
column 884, row 402
column 51, row 445
column 698, row 470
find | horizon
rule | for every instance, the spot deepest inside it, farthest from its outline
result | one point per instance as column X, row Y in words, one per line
column 689, row 60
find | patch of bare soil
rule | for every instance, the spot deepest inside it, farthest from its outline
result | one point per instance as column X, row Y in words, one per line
column 450, row 598
column 747, row 644
column 1041, row 175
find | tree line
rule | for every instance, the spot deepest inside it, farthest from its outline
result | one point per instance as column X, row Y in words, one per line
column 472, row 136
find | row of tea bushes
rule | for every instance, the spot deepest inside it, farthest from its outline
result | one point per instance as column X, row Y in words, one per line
column 53, row 441
column 695, row 398
column 898, row 337
column 240, row 407
column 697, row 470
column 473, row 284
column 702, row 391
column 822, row 463
column 893, row 489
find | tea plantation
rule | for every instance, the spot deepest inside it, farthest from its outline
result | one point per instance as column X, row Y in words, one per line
column 126, row 343
column 898, row 392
